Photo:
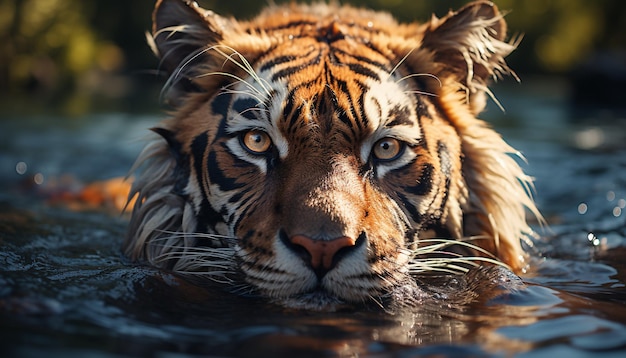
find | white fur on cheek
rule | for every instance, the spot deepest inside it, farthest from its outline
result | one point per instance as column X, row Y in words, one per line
column 346, row 279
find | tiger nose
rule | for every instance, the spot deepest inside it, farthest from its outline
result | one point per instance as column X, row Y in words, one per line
column 322, row 252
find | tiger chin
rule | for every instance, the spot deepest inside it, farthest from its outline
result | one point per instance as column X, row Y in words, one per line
column 323, row 155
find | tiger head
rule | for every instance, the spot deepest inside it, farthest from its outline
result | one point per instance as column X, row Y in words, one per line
column 327, row 153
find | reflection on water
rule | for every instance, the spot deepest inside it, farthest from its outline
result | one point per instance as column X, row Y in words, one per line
column 65, row 289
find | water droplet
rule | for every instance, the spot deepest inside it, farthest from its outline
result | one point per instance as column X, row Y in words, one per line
column 21, row 168
column 593, row 239
column 370, row 24
column 38, row 178
column 621, row 203
column 589, row 138
column 582, row 208
column 610, row 195
column 617, row 211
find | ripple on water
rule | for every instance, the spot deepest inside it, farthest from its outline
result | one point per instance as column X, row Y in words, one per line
column 66, row 290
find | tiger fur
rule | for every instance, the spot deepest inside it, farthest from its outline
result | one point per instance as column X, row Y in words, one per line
column 327, row 153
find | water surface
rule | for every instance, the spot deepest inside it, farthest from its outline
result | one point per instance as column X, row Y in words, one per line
column 65, row 289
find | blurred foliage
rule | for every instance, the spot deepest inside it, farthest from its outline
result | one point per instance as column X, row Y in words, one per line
column 70, row 54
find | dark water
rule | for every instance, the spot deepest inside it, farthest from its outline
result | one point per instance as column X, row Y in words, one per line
column 65, row 290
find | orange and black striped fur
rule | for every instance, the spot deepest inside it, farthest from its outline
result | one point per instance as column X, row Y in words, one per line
column 327, row 154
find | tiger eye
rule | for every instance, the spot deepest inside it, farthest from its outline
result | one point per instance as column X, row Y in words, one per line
column 256, row 141
column 387, row 149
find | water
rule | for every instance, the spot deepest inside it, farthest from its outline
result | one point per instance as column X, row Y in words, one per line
column 65, row 289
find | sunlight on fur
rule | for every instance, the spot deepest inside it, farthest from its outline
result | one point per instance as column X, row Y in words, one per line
column 376, row 169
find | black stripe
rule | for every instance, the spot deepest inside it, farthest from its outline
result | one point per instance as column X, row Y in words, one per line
column 344, row 118
column 446, row 170
column 363, row 59
column 364, row 71
column 362, row 115
column 294, row 115
column 220, row 106
column 293, row 119
column 198, row 148
column 290, row 113
column 408, row 205
column 343, row 87
column 246, row 107
column 372, row 46
column 422, row 109
column 346, row 136
column 288, row 71
column 287, row 25
column 288, row 106
column 248, row 244
column 182, row 170
column 206, row 217
column 239, row 195
column 278, row 61
column 425, row 183
column 401, row 116
column 217, row 176
column 422, row 140
column 244, row 213
column 360, row 104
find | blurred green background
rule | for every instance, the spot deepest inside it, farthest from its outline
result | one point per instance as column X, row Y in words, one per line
column 73, row 57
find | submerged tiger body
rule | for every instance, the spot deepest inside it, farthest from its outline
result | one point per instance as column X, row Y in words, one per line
column 327, row 154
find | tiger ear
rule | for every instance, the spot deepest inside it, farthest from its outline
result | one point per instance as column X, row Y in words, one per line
column 470, row 44
column 181, row 32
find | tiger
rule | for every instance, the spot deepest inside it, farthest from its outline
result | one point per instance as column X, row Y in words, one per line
column 323, row 154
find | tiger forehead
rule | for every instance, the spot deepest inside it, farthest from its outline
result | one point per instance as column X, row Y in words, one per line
column 321, row 21
column 356, row 104
column 327, row 73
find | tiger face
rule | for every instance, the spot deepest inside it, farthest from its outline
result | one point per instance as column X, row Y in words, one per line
column 327, row 154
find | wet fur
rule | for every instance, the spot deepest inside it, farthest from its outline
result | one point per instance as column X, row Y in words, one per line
column 481, row 205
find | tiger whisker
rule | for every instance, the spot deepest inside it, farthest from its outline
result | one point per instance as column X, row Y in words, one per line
column 244, row 65
column 377, row 300
column 187, row 255
column 239, row 79
column 449, row 265
column 455, row 270
column 262, row 110
column 188, row 60
column 443, row 264
column 449, row 261
column 219, row 242
column 395, row 68
column 198, row 252
column 449, row 242
column 195, row 234
column 242, row 289
column 420, row 75
column 423, row 92
column 441, row 252
column 491, row 95
column 260, row 103
column 171, row 80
